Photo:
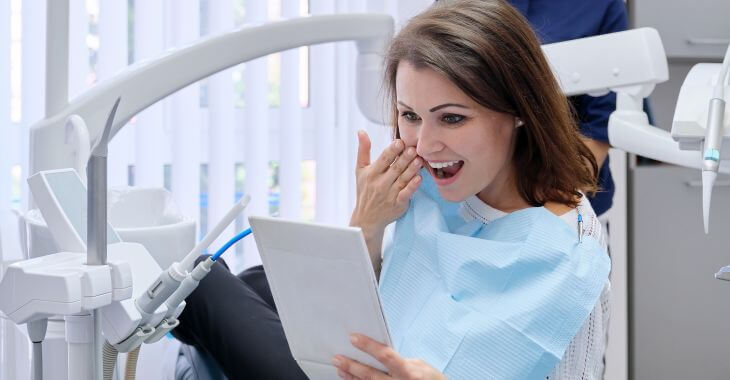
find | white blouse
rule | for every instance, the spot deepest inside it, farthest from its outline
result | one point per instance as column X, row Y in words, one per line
column 583, row 358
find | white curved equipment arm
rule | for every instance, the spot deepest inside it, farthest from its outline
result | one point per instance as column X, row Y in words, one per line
column 629, row 130
column 147, row 82
column 630, row 63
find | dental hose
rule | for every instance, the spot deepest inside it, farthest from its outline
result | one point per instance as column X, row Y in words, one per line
column 187, row 286
column 110, row 360
column 192, row 280
column 234, row 240
column 130, row 370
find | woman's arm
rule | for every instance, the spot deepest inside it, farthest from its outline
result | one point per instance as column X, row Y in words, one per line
column 374, row 241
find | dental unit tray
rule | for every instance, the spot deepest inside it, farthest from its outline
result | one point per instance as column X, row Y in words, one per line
column 61, row 198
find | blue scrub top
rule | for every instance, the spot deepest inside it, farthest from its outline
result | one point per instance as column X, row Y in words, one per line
column 562, row 20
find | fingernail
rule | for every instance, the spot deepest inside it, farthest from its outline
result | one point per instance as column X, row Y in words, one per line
column 398, row 144
column 353, row 339
column 336, row 362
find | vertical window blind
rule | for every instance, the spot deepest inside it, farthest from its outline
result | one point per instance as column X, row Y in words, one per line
column 280, row 128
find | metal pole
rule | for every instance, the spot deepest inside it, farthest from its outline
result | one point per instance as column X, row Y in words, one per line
column 96, row 239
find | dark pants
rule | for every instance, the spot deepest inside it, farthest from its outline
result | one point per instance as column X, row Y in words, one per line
column 233, row 319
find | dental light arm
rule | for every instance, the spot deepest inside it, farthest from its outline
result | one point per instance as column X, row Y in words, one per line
column 631, row 63
column 147, row 82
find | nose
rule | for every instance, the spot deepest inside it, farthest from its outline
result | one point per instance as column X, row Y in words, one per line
column 429, row 140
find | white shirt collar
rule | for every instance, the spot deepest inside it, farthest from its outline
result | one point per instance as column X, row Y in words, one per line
column 474, row 208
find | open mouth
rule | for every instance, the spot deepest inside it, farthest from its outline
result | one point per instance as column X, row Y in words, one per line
column 445, row 170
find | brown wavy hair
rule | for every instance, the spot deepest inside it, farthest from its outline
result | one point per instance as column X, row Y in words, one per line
column 488, row 49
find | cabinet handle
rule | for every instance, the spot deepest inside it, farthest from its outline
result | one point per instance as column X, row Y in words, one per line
column 708, row 41
column 698, row 183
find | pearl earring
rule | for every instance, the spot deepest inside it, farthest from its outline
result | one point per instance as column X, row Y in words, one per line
column 519, row 122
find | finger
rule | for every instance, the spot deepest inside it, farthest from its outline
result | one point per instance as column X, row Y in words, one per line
column 408, row 174
column 408, row 191
column 361, row 371
column 388, row 156
column 400, row 165
column 382, row 353
column 344, row 375
column 363, row 149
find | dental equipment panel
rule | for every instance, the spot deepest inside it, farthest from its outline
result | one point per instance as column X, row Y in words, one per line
column 63, row 283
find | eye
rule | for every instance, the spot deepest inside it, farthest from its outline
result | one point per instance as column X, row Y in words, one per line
column 451, row 118
column 409, row 116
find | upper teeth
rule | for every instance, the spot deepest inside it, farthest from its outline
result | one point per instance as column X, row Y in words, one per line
column 439, row 165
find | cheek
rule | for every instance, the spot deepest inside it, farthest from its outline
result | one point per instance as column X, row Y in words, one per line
column 491, row 147
column 408, row 135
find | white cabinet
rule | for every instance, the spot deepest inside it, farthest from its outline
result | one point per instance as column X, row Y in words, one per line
column 689, row 28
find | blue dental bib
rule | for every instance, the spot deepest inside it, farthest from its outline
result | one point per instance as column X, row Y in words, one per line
column 496, row 301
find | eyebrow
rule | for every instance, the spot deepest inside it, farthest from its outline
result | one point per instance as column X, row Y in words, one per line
column 434, row 109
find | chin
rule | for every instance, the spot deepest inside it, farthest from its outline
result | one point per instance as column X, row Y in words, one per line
column 451, row 196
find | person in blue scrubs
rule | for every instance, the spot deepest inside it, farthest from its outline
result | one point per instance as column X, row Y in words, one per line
column 563, row 20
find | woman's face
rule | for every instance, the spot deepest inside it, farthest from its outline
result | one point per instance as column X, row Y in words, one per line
column 467, row 147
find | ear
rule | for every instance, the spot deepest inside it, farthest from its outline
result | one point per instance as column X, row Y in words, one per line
column 518, row 122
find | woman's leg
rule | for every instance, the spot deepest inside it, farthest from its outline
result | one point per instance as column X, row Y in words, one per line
column 238, row 328
column 256, row 279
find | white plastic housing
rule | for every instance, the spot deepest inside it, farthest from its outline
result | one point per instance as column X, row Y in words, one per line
column 149, row 81
column 690, row 115
column 62, row 284
column 120, row 319
column 594, row 65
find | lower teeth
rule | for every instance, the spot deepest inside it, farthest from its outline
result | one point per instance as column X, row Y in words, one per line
column 440, row 173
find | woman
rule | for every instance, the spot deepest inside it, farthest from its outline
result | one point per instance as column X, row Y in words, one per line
column 496, row 269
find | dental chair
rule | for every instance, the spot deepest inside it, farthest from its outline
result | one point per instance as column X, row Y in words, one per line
column 192, row 364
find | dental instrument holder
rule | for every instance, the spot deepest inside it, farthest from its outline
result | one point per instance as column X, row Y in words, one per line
column 187, row 286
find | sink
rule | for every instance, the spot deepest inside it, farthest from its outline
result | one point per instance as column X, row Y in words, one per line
column 149, row 216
